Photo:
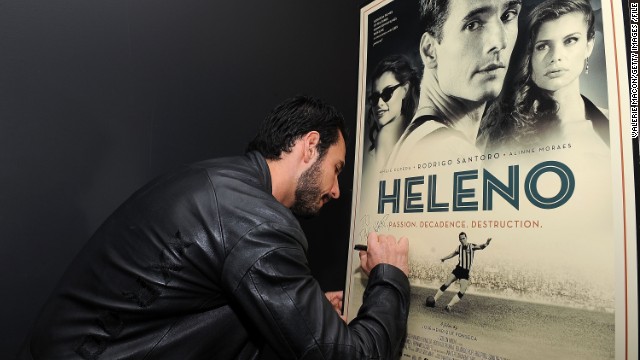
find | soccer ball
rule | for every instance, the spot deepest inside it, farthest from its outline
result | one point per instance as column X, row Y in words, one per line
column 431, row 301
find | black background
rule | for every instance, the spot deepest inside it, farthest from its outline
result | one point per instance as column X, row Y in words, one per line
column 99, row 97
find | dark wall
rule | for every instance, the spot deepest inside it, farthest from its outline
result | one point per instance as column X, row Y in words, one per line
column 98, row 97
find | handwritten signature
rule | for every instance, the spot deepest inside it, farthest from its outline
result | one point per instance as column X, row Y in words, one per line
column 367, row 226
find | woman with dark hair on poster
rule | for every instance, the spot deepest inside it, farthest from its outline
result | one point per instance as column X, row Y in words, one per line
column 546, row 104
column 392, row 103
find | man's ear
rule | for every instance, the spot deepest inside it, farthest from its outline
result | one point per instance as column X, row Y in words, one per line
column 311, row 141
column 428, row 51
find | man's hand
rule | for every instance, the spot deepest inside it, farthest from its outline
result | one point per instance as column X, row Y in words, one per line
column 385, row 249
column 335, row 298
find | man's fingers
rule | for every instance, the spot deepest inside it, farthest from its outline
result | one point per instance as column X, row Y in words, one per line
column 403, row 242
column 334, row 296
column 383, row 248
column 363, row 262
column 363, row 256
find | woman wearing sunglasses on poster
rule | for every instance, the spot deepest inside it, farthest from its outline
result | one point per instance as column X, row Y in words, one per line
column 547, row 106
column 392, row 103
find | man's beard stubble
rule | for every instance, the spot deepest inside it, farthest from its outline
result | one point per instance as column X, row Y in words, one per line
column 308, row 192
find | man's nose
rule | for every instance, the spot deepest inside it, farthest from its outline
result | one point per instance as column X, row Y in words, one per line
column 498, row 37
column 335, row 190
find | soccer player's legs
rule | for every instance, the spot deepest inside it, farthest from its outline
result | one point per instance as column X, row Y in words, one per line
column 464, row 284
column 444, row 286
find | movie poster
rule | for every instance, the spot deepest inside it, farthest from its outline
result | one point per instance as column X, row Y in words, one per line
column 495, row 137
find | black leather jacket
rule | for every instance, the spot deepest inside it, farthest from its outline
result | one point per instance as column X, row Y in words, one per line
column 204, row 263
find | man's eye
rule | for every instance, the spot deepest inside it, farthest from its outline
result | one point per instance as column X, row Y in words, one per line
column 510, row 15
column 473, row 25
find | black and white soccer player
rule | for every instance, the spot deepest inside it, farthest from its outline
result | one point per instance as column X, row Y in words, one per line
column 465, row 253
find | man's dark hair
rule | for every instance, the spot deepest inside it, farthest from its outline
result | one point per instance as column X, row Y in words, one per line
column 433, row 14
column 462, row 233
column 294, row 118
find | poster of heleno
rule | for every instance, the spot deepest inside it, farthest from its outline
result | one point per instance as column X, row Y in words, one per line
column 494, row 135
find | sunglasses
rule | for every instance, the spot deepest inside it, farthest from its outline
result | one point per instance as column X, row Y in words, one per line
column 385, row 94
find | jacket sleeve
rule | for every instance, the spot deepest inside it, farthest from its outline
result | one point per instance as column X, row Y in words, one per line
column 271, row 284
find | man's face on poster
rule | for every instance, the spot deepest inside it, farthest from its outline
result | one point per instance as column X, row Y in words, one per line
column 463, row 239
column 476, row 44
